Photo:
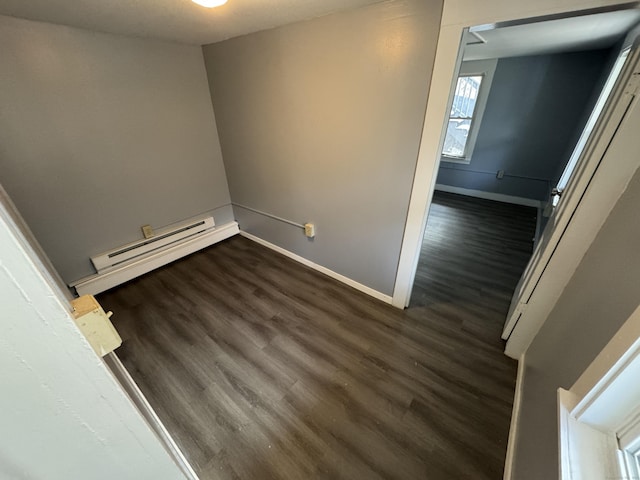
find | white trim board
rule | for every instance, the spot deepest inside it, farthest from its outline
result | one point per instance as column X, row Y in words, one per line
column 56, row 365
column 601, row 178
column 610, row 377
column 330, row 273
column 18, row 224
column 100, row 282
column 498, row 197
column 457, row 16
column 585, row 453
column 599, row 414
column 147, row 412
column 515, row 421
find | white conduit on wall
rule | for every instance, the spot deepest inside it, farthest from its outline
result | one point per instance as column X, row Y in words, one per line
column 494, row 173
column 275, row 217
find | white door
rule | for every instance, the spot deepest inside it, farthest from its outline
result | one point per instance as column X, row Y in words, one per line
column 598, row 109
column 610, row 111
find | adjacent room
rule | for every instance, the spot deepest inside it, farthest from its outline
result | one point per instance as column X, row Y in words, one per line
column 525, row 98
column 207, row 209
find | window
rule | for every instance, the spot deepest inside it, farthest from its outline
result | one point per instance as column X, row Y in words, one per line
column 629, row 443
column 464, row 105
column 599, row 417
column 469, row 100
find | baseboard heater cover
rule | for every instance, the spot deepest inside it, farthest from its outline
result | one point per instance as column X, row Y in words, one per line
column 121, row 255
column 130, row 261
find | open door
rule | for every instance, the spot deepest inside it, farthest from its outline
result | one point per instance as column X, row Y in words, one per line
column 598, row 109
column 610, row 111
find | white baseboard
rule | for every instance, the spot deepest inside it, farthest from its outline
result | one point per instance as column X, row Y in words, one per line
column 100, row 282
column 498, row 197
column 341, row 278
column 515, row 422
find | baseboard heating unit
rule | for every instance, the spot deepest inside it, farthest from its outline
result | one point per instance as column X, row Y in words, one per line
column 130, row 261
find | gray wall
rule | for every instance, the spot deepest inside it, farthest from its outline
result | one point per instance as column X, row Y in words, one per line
column 63, row 414
column 320, row 121
column 536, row 110
column 601, row 295
column 100, row 134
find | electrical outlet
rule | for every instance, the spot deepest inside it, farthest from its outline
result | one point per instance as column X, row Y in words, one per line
column 147, row 231
column 500, row 174
column 310, row 230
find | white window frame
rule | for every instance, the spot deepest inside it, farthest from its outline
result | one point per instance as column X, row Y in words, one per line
column 599, row 417
column 486, row 69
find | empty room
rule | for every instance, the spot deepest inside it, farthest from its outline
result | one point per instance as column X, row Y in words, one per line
column 507, row 157
column 353, row 239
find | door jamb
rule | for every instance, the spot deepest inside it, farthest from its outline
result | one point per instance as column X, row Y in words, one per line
column 19, row 229
column 457, row 16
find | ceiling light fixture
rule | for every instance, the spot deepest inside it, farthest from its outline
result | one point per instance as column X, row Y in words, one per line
column 210, row 3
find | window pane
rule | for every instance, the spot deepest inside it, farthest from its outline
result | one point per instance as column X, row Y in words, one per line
column 456, row 139
column 462, row 110
column 466, row 94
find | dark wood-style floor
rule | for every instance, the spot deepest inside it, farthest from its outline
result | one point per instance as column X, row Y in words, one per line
column 264, row 369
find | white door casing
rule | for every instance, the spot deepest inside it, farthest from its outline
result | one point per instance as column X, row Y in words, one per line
column 586, row 203
column 457, row 16
column 598, row 109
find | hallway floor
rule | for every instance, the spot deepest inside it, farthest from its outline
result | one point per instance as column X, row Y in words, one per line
column 264, row 369
column 473, row 254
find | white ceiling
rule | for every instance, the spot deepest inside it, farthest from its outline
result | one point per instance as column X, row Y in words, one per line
column 554, row 36
column 175, row 20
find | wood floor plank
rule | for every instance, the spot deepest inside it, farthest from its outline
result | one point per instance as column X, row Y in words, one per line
column 262, row 368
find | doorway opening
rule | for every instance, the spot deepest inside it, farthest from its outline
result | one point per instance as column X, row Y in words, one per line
column 526, row 100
